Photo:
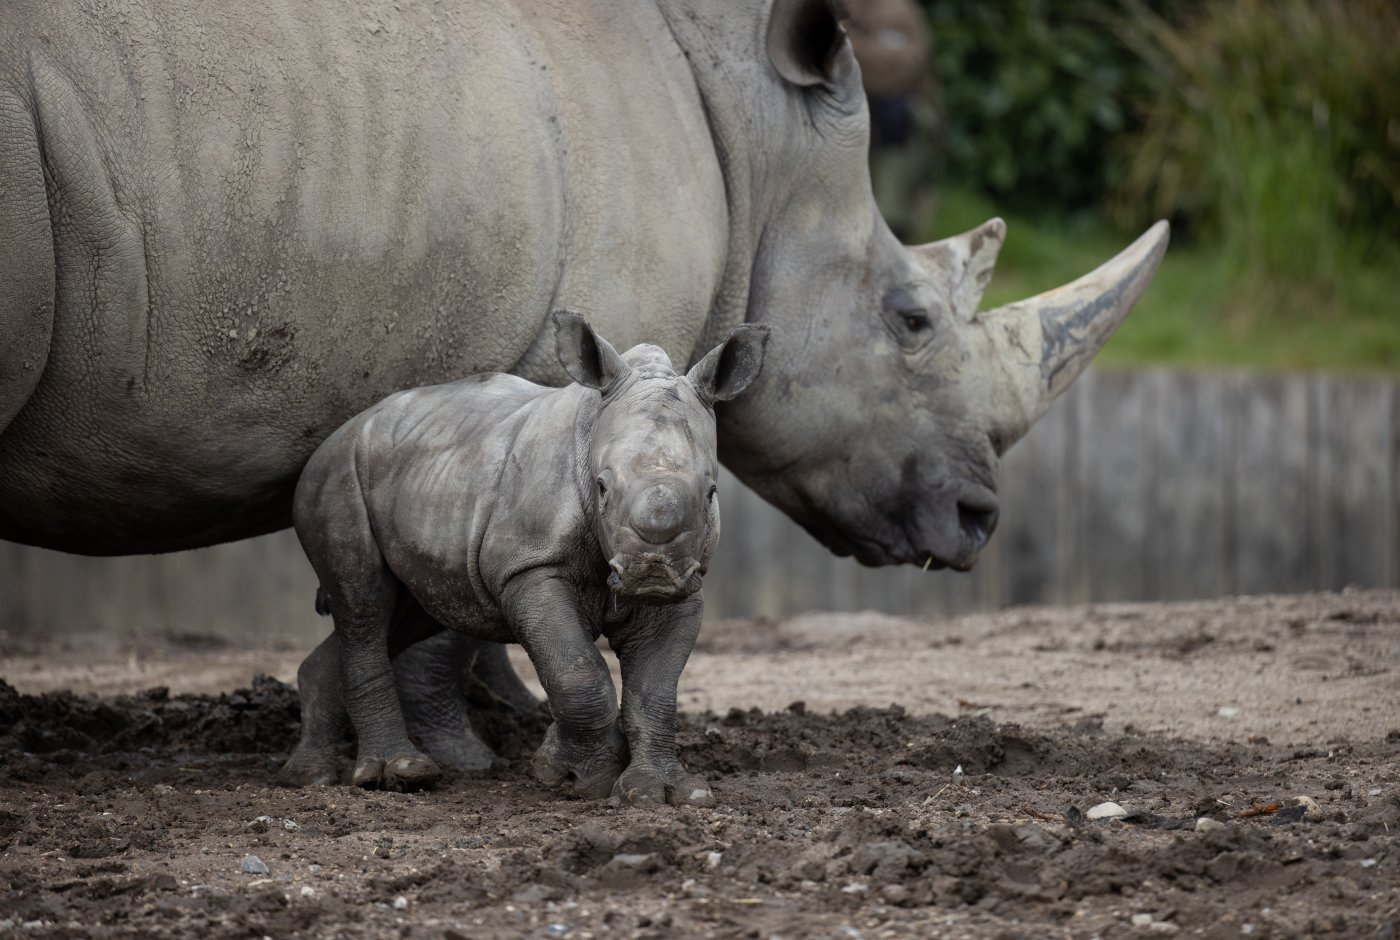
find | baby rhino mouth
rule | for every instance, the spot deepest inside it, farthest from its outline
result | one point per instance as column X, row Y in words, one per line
column 651, row 577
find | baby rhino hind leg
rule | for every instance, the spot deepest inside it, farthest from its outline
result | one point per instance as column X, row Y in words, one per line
column 363, row 598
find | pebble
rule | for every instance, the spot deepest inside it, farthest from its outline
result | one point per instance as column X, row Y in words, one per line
column 1368, row 863
column 713, row 859
column 1376, row 791
column 253, row 865
column 895, row 894
column 1108, row 810
column 314, row 868
column 556, row 930
column 1228, row 711
column 855, row 887
column 1206, row 824
column 1142, row 920
column 307, row 891
column 290, row 826
column 401, row 903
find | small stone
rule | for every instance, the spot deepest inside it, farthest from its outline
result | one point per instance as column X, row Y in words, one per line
column 1368, row 863
column 713, row 859
column 1206, row 824
column 693, row 889
column 894, row 894
column 401, row 903
column 1310, row 807
column 1142, row 920
column 556, row 930
column 307, row 891
column 1162, row 927
column 1109, row 810
column 1376, row 791
column 855, row 887
column 314, row 868
column 290, row 826
column 1228, row 711
column 260, row 824
column 253, row 865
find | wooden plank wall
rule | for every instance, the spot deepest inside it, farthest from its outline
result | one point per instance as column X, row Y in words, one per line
column 1136, row 486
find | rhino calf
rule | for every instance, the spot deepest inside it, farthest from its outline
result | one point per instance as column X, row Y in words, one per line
column 513, row 512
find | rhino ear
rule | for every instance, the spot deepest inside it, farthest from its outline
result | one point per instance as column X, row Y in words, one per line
column 728, row 369
column 588, row 358
column 804, row 38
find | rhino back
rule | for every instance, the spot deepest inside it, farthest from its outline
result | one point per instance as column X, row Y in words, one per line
column 464, row 486
column 268, row 215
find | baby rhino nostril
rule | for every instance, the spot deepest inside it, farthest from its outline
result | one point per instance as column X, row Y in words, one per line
column 977, row 523
column 657, row 516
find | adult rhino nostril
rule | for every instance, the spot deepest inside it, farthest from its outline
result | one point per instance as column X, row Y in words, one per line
column 657, row 515
column 977, row 523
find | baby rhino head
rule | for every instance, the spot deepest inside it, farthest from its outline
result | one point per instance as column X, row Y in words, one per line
column 652, row 454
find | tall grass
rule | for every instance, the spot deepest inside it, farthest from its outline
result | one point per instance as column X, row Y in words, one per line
column 1273, row 132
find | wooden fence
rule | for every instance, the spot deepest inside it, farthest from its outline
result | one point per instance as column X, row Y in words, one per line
column 1136, row 486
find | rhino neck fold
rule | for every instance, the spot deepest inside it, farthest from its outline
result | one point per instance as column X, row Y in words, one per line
column 708, row 51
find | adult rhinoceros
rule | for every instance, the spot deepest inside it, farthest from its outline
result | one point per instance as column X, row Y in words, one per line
column 227, row 227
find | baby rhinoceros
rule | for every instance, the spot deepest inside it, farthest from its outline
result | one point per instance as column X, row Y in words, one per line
column 541, row 516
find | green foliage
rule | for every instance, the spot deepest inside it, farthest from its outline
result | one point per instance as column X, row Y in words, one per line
column 1272, row 128
column 1197, row 311
column 1034, row 91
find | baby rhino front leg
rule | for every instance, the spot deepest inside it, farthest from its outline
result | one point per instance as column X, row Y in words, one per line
column 652, row 648
column 584, row 744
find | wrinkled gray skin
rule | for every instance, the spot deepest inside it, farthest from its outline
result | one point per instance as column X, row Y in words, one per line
column 225, row 229
column 517, row 513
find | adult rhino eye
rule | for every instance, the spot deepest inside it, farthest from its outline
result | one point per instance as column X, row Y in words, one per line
column 710, row 496
column 602, row 487
column 915, row 321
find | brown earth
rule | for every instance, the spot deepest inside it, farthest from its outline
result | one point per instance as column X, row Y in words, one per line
column 126, row 811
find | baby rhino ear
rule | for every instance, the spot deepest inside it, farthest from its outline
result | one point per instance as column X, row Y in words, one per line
column 586, row 356
column 728, row 369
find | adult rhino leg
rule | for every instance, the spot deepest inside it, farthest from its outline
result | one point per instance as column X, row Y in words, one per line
column 27, row 285
column 430, row 676
column 325, row 724
column 491, row 680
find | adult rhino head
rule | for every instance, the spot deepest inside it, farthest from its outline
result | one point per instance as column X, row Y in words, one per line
column 889, row 396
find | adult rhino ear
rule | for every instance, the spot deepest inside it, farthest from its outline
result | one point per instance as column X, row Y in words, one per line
column 805, row 39
column 588, row 358
column 728, row 369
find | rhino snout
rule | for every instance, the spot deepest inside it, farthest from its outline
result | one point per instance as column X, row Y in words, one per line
column 649, row 575
column 658, row 515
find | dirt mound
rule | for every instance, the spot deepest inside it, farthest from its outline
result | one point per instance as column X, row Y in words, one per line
column 135, row 815
column 262, row 719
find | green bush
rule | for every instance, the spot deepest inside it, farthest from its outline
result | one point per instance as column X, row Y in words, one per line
column 1272, row 128
column 1034, row 91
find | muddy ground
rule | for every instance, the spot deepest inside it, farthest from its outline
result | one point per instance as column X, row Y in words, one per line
column 127, row 809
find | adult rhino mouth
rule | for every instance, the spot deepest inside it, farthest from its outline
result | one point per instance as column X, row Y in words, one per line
column 977, row 518
column 652, row 578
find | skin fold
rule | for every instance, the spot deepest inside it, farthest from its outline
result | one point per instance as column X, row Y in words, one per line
column 512, row 512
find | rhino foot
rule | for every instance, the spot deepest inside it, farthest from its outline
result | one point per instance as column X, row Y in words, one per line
column 401, row 771
column 461, row 751
column 647, row 785
column 592, row 765
column 308, row 768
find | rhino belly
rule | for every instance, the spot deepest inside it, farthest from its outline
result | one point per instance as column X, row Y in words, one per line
column 261, row 226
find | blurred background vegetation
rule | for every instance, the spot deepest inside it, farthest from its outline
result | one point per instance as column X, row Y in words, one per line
column 1268, row 132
